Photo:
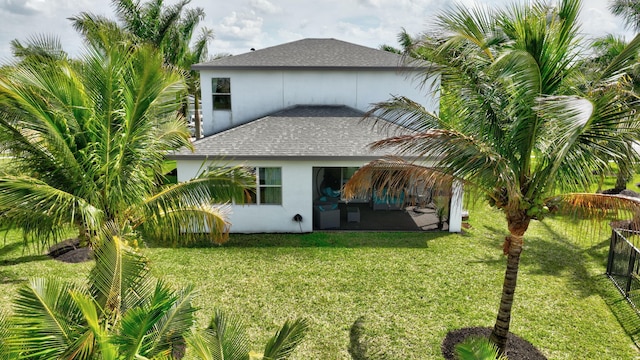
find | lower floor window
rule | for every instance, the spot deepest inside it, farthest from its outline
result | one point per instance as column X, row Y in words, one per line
column 268, row 189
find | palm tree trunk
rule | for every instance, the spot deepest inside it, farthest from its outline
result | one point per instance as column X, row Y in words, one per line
column 197, row 120
column 518, row 223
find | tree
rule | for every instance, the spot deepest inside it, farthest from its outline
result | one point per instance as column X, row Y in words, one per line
column 124, row 313
column 605, row 50
column 169, row 28
column 88, row 141
column 513, row 124
column 629, row 10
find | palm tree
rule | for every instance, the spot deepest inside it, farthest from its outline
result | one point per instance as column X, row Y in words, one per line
column 513, row 123
column 88, row 140
column 122, row 312
column 224, row 339
column 169, row 28
column 629, row 10
column 606, row 49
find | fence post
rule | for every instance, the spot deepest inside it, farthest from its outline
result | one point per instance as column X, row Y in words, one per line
column 632, row 263
column 612, row 245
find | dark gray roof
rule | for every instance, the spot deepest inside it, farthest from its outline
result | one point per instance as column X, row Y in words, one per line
column 310, row 54
column 301, row 132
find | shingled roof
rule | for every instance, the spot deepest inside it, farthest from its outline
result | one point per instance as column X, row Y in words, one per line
column 310, row 54
column 301, row 132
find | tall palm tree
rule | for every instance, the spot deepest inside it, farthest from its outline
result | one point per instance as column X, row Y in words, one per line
column 169, row 28
column 88, row 140
column 513, row 123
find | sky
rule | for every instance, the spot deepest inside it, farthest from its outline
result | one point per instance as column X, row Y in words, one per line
column 240, row 25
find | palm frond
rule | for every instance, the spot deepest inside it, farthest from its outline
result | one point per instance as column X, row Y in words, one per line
column 285, row 341
column 153, row 329
column 223, row 339
column 394, row 176
column 119, row 280
column 596, row 207
column 93, row 318
column 477, row 349
column 46, row 319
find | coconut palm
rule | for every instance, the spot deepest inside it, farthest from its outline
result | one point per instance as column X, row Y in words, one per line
column 169, row 28
column 513, row 124
column 225, row 339
column 606, row 49
column 88, row 141
column 121, row 313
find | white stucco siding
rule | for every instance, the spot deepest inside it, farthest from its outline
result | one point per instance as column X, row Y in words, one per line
column 320, row 88
column 258, row 93
column 296, row 199
column 374, row 87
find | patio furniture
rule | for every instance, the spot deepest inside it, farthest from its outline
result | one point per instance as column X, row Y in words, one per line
column 353, row 214
column 384, row 201
column 326, row 218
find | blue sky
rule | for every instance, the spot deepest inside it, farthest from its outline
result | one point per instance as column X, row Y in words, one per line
column 239, row 25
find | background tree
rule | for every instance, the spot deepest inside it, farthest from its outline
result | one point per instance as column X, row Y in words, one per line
column 169, row 28
column 629, row 10
column 88, row 140
column 606, row 49
column 512, row 124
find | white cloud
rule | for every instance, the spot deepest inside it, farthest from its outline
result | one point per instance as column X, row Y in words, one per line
column 19, row 7
column 240, row 26
column 265, row 6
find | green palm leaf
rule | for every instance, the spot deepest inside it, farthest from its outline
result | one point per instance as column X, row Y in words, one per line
column 223, row 339
column 285, row 341
column 47, row 320
column 154, row 329
column 120, row 279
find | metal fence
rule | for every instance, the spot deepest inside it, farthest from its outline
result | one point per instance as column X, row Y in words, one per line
column 623, row 266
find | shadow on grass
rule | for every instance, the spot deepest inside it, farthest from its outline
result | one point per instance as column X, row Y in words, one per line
column 7, row 277
column 337, row 239
column 624, row 312
column 24, row 259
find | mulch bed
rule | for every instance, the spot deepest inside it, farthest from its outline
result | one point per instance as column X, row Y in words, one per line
column 69, row 251
column 517, row 348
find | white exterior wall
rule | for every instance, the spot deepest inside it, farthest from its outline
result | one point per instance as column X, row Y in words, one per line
column 258, row 93
column 297, row 197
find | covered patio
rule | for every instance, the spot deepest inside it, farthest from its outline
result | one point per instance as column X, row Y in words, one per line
column 410, row 218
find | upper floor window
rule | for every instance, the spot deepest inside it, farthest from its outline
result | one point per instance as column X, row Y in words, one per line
column 221, row 90
column 268, row 189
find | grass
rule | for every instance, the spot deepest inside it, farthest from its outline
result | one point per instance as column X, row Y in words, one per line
column 411, row 287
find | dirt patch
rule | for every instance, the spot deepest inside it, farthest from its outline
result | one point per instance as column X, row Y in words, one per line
column 517, row 348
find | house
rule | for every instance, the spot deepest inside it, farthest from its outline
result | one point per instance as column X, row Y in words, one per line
column 293, row 113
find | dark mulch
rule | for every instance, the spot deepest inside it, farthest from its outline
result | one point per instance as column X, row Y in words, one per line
column 517, row 348
column 69, row 251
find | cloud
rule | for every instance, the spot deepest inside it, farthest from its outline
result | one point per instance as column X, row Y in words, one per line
column 265, row 7
column 19, row 7
column 241, row 26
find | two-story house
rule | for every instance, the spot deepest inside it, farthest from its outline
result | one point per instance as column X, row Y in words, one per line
column 293, row 113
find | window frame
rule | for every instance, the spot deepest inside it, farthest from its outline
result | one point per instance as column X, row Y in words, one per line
column 215, row 92
column 256, row 193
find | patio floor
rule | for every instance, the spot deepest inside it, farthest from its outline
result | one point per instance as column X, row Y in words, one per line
column 411, row 218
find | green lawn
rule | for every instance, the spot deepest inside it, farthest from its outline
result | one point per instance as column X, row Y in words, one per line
column 412, row 287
